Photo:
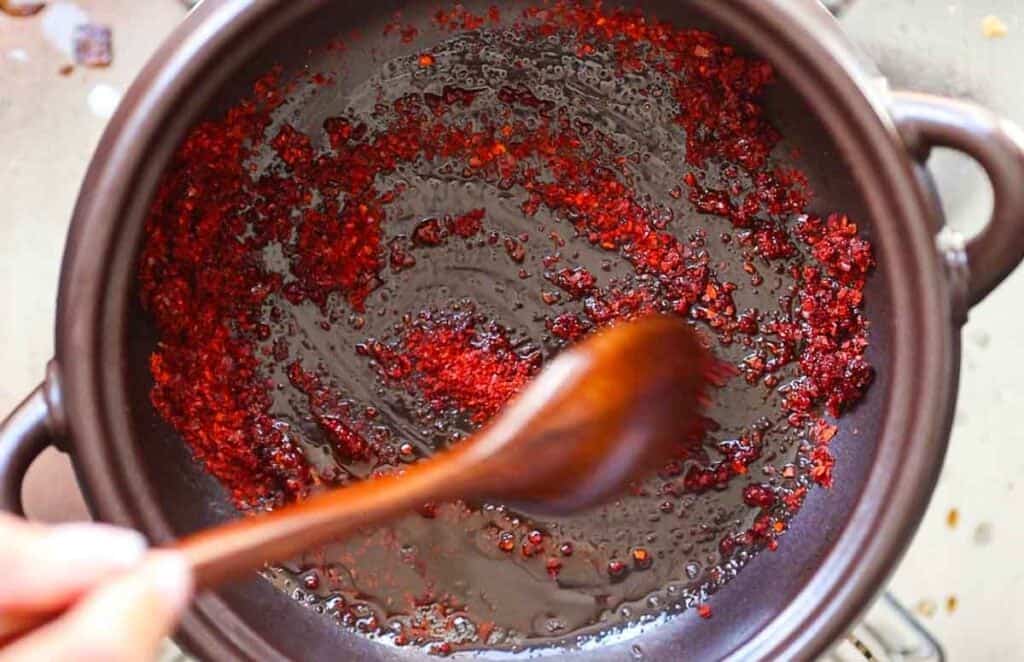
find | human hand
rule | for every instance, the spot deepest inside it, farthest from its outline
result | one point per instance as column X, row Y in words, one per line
column 115, row 602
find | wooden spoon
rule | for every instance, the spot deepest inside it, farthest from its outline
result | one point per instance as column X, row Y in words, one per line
column 601, row 414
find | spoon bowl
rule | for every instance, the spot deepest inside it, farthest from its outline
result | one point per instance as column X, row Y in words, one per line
column 601, row 415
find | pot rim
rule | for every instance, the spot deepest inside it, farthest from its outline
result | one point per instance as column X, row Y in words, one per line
column 806, row 47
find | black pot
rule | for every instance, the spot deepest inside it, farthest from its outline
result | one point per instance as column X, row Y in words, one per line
column 869, row 144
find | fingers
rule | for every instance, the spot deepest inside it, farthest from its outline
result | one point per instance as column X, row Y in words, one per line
column 46, row 568
column 121, row 621
column 118, row 616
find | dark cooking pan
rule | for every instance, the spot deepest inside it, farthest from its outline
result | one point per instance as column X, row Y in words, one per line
column 863, row 144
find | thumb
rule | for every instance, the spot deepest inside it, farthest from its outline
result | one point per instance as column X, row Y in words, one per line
column 123, row 620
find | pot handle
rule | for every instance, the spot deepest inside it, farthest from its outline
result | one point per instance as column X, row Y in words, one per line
column 28, row 431
column 925, row 121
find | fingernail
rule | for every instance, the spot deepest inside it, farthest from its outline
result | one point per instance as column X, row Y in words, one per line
column 97, row 544
column 171, row 577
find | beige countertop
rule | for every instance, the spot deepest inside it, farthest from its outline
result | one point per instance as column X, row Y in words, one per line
column 50, row 123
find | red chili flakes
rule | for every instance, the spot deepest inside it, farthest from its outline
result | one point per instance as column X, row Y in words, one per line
column 458, row 18
column 765, row 530
column 341, row 132
column 399, row 258
column 772, row 242
column 578, row 282
column 822, row 465
column 710, row 201
column 204, row 289
column 795, row 499
column 829, row 321
column 442, row 649
column 435, row 232
column 717, row 90
column 455, row 362
column 322, row 80
column 837, row 246
column 736, row 453
column 339, row 251
column 616, row 304
column 515, row 249
column 463, row 98
column 823, row 432
column 642, row 558
column 467, row 225
column 704, row 611
column 429, row 233
column 293, row 147
column 759, row 496
column 406, row 32
column 330, row 414
column 568, row 327
column 211, row 394
column 506, row 541
column 426, row 60
column 524, row 97
column 616, row 569
column 409, row 34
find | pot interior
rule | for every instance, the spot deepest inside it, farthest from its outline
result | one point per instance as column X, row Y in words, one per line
column 190, row 499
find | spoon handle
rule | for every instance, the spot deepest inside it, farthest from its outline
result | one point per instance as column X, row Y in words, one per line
column 224, row 552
